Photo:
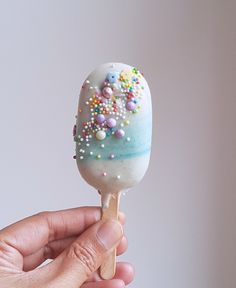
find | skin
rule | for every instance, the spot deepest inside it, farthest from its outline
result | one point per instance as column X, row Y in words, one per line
column 70, row 239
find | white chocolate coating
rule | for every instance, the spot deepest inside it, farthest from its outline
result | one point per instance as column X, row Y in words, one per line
column 113, row 129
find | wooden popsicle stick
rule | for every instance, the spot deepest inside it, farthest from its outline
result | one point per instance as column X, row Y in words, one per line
column 108, row 268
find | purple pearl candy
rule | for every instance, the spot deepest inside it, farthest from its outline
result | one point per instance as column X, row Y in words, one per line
column 100, row 118
column 119, row 133
column 111, row 122
column 130, row 106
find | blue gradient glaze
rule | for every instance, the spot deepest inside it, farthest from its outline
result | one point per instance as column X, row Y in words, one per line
column 139, row 131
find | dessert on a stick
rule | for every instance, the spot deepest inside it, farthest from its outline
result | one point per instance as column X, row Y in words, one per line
column 113, row 136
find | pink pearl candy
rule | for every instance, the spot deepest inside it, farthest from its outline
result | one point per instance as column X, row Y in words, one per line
column 107, row 92
column 119, row 133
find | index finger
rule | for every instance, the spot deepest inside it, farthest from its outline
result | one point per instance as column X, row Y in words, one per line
column 32, row 233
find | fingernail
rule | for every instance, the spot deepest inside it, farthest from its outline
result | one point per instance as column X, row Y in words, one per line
column 110, row 233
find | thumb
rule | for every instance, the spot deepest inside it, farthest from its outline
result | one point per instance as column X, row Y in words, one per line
column 78, row 262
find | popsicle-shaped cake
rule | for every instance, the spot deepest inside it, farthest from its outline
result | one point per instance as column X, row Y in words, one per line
column 113, row 135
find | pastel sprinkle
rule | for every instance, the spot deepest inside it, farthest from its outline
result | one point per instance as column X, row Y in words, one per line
column 112, row 156
column 111, row 107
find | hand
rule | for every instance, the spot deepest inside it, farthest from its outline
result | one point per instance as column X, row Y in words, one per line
column 76, row 241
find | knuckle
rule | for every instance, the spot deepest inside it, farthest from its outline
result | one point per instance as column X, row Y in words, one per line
column 43, row 214
column 85, row 254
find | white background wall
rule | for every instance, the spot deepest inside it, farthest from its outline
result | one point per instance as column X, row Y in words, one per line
column 181, row 218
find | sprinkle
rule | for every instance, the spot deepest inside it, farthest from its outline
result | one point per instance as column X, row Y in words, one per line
column 118, row 177
column 98, row 156
column 114, row 86
column 119, row 97
column 91, row 152
column 104, row 174
column 112, row 156
column 102, row 145
column 81, row 157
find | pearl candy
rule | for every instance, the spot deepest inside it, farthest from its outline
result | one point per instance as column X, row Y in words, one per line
column 120, row 133
column 107, row 92
column 100, row 135
column 130, row 106
column 111, row 122
column 100, row 118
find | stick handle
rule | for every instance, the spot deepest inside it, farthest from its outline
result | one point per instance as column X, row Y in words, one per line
column 108, row 268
